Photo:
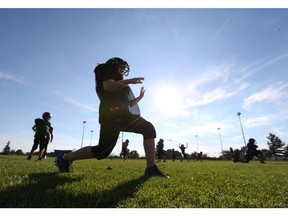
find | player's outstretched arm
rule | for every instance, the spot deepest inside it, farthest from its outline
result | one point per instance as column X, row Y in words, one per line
column 112, row 85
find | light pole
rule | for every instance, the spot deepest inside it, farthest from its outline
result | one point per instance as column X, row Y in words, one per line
column 121, row 142
column 220, row 138
column 197, row 142
column 84, row 122
column 122, row 136
column 170, row 140
column 239, row 113
column 91, row 137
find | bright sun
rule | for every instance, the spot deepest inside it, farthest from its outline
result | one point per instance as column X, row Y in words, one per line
column 168, row 100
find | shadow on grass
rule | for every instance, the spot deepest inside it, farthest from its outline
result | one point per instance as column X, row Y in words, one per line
column 34, row 191
column 48, row 190
column 115, row 197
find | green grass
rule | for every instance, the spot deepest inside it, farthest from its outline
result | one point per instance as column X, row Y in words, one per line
column 210, row 184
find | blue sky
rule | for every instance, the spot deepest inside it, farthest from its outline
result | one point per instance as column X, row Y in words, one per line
column 201, row 67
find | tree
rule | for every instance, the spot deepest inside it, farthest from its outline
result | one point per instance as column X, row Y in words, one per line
column 225, row 154
column 133, row 154
column 286, row 151
column 193, row 155
column 19, row 152
column 170, row 156
column 276, row 146
column 266, row 153
column 6, row 150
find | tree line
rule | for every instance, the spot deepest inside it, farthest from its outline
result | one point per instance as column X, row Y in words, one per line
column 277, row 149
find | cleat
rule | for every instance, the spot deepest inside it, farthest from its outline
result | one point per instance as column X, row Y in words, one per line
column 153, row 171
column 62, row 164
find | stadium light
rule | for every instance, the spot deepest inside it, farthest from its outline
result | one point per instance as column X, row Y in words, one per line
column 91, row 137
column 197, row 142
column 239, row 113
column 220, row 138
column 170, row 141
column 84, row 122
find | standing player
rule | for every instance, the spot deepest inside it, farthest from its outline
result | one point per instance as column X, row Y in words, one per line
column 47, row 142
column 173, row 155
column 42, row 134
column 116, row 114
column 125, row 149
column 182, row 147
column 160, row 149
column 199, row 156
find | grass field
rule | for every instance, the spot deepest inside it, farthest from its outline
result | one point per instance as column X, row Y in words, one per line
column 210, row 184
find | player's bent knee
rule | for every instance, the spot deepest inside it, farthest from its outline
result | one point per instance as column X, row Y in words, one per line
column 149, row 131
column 98, row 154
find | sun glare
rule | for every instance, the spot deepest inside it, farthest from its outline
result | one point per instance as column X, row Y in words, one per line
column 168, row 100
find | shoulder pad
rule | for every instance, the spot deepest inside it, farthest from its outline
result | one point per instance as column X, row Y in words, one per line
column 38, row 120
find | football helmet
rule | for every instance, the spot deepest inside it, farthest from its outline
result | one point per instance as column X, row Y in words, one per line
column 46, row 115
column 120, row 63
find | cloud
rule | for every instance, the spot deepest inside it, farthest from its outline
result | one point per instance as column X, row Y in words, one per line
column 259, row 65
column 12, row 77
column 216, row 35
column 83, row 106
column 211, row 96
column 223, row 81
column 279, row 131
column 273, row 92
column 208, row 86
column 72, row 101
column 219, row 73
column 197, row 93
column 256, row 66
column 216, row 94
column 266, row 63
column 259, row 121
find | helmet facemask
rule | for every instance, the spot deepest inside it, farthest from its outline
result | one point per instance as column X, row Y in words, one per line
column 125, row 69
column 120, row 63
